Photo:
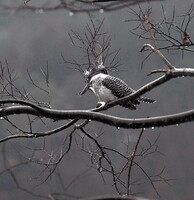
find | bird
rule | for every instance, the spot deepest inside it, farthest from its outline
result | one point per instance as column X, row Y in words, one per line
column 108, row 88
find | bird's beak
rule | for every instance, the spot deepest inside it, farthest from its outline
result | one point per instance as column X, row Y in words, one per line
column 87, row 86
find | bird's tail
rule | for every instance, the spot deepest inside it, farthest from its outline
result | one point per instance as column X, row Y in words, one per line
column 132, row 104
column 147, row 100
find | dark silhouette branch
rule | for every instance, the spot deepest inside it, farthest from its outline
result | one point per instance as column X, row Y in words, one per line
column 75, row 6
column 170, row 66
column 100, row 117
column 25, row 134
column 131, row 161
column 114, row 197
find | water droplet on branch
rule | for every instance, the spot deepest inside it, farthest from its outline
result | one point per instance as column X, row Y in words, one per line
column 71, row 14
column 39, row 11
column 101, row 10
column 100, row 169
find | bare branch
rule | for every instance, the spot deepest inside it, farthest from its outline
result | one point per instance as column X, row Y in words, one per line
column 73, row 6
column 159, row 121
column 115, row 197
column 25, row 134
column 170, row 66
column 131, row 161
column 167, row 33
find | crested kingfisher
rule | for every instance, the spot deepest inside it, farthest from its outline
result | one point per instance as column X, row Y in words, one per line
column 109, row 88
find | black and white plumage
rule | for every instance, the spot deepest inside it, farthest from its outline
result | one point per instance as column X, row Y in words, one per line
column 109, row 88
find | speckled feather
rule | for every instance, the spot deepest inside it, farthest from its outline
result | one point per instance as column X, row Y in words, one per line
column 120, row 89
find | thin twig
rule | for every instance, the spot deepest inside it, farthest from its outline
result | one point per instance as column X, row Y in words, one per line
column 131, row 161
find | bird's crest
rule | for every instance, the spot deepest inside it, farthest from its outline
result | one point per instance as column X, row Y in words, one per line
column 95, row 69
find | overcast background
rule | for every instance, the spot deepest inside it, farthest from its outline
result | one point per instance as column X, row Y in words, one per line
column 29, row 40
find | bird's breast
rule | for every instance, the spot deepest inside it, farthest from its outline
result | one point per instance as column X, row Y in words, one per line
column 104, row 94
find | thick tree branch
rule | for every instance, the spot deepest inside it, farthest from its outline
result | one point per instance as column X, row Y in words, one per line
column 75, row 6
column 100, row 117
column 115, row 197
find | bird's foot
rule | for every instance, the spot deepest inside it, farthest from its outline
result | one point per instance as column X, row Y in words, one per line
column 100, row 104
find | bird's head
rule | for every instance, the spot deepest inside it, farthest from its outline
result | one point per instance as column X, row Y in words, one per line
column 90, row 72
column 93, row 70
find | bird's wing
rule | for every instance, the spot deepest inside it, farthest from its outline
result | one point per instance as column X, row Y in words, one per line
column 118, row 87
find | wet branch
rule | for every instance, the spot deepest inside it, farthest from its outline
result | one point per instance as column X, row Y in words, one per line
column 150, row 122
